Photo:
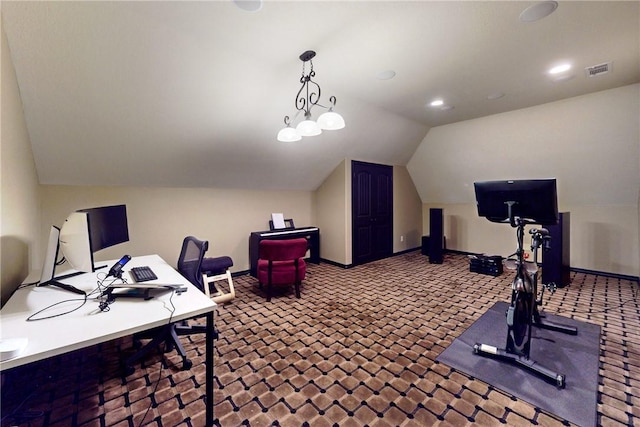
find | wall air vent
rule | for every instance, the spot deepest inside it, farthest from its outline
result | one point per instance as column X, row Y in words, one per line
column 598, row 70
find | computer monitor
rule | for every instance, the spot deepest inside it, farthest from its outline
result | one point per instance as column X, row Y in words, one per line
column 533, row 200
column 75, row 242
column 107, row 226
column 50, row 258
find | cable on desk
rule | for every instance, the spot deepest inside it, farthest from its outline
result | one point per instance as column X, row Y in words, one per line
column 103, row 298
column 34, row 317
column 101, row 286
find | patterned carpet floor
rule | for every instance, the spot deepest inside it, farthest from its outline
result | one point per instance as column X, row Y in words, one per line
column 358, row 349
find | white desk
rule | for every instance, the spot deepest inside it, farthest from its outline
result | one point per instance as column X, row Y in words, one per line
column 89, row 325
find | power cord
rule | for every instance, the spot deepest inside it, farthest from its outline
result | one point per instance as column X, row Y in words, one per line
column 103, row 301
column 162, row 362
column 103, row 305
column 18, row 416
column 35, row 317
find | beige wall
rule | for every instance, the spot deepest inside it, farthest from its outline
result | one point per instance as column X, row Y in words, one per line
column 599, row 235
column 333, row 213
column 407, row 212
column 591, row 144
column 19, row 204
column 159, row 218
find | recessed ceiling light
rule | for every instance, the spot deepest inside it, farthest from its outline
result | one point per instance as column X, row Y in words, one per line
column 386, row 75
column 249, row 5
column 538, row 11
column 558, row 69
column 563, row 78
column 439, row 104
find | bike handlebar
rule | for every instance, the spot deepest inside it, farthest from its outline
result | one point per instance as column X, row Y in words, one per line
column 542, row 231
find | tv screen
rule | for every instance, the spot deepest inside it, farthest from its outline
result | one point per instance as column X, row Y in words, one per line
column 534, row 200
column 107, row 226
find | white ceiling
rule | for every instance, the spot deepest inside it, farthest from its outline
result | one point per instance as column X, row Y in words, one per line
column 192, row 94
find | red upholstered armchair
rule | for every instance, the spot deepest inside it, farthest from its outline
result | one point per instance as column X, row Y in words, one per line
column 281, row 262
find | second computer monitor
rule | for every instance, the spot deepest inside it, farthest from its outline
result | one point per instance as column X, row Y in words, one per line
column 534, row 200
column 87, row 231
column 107, row 225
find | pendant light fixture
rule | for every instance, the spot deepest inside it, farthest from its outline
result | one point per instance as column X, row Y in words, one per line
column 309, row 96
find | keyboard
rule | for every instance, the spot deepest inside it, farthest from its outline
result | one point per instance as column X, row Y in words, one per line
column 143, row 274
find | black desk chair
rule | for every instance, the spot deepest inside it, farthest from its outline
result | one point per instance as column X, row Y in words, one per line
column 205, row 272
column 189, row 265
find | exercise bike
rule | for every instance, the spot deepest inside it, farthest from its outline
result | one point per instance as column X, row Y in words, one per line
column 523, row 313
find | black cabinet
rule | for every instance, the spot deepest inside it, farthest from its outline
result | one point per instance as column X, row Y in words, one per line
column 555, row 260
column 424, row 249
column 436, row 236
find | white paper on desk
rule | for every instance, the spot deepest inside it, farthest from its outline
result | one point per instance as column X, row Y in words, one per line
column 278, row 220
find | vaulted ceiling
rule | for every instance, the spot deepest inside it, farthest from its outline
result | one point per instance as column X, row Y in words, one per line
column 192, row 94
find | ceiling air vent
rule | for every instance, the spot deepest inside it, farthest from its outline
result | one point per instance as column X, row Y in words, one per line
column 598, row 70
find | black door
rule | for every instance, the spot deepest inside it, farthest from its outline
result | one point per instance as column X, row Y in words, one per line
column 372, row 211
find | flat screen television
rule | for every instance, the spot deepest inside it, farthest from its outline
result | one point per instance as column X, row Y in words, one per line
column 107, row 226
column 533, row 200
column 87, row 231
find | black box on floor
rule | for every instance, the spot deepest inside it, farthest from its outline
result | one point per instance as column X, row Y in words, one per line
column 425, row 249
column 485, row 264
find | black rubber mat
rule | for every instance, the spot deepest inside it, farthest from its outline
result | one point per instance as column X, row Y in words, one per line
column 575, row 356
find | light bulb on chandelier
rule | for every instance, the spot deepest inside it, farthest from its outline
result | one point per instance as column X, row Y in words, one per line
column 308, row 96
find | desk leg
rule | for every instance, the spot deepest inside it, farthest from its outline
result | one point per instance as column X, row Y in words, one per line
column 209, row 369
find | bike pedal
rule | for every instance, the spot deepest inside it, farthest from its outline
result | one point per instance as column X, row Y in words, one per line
column 510, row 312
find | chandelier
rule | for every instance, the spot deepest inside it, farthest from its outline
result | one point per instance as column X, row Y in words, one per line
column 309, row 96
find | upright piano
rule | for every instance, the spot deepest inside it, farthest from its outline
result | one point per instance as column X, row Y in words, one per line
column 312, row 234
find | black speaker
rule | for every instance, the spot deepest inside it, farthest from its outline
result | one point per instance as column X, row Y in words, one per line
column 555, row 260
column 436, row 236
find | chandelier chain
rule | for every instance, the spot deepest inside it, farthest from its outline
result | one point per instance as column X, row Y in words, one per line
column 307, row 97
column 311, row 72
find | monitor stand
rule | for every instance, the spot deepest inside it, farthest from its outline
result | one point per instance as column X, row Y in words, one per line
column 64, row 286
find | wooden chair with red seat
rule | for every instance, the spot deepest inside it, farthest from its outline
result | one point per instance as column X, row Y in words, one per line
column 281, row 263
